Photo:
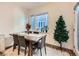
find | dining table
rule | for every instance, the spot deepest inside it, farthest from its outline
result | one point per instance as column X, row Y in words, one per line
column 31, row 37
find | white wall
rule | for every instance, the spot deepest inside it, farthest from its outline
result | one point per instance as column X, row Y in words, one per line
column 19, row 20
column 11, row 18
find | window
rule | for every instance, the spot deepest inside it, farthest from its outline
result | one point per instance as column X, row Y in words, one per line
column 41, row 22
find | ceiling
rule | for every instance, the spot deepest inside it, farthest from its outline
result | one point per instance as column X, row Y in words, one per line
column 30, row 5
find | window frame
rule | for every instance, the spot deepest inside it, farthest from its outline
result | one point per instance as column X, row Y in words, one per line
column 39, row 15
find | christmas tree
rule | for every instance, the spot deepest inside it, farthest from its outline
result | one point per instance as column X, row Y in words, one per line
column 61, row 33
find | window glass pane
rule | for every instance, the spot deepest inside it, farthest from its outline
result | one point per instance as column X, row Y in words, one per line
column 42, row 22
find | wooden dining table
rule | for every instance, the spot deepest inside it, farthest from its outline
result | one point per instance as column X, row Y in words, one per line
column 31, row 37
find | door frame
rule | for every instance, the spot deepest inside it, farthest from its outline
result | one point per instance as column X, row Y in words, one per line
column 75, row 33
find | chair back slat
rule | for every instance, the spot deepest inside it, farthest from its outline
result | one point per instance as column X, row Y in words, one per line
column 15, row 38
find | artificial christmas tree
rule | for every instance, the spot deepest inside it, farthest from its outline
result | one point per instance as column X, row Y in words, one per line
column 61, row 33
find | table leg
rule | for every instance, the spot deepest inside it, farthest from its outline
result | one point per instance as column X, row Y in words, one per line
column 30, row 49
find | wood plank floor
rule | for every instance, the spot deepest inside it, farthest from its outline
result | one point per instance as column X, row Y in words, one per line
column 50, row 52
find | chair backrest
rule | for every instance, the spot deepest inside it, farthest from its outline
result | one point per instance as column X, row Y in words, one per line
column 15, row 38
column 22, row 41
column 36, row 32
column 27, row 31
column 30, row 31
column 43, row 40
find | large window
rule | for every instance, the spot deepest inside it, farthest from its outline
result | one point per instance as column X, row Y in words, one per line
column 41, row 22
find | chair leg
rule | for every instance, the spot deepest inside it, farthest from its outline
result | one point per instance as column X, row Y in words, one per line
column 18, row 50
column 14, row 46
column 25, row 50
column 45, row 50
column 40, row 52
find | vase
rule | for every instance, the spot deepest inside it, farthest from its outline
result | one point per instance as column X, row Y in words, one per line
column 28, row 26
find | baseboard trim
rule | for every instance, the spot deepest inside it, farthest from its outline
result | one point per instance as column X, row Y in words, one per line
column 8, row 47
column 71, row 52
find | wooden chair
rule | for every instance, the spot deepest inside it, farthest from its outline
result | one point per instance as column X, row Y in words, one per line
column 22, row 43
column 40, row 44
column 27, row 31
column 16, row 42
column 36, row 32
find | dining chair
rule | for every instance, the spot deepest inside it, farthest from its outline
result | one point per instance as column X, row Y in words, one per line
column 16, row 42
column 22, row 43
column 27, row 31
column 40, row 44
column 36, row 32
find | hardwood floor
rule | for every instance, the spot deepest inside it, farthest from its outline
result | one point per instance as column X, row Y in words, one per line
column 63, row 49
column 50, row 52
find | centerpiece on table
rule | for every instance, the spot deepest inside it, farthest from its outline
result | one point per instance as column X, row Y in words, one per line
column 28, row 26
